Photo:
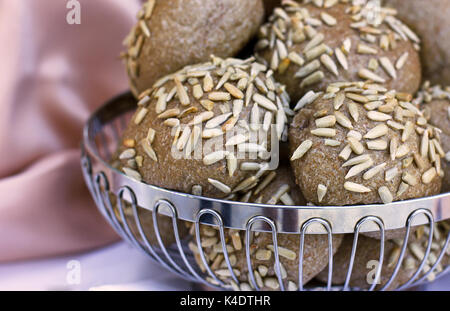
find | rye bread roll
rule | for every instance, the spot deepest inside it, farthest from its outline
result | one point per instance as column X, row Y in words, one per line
column 171, row 34
column 207, row 129
column 362, row 144
column 435, row 102
column 429, row 19
column 368, row 253
column 311, row 44
column 261, row 248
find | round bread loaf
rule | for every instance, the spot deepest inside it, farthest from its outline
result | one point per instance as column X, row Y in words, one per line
column 368, row 254
column 362, row 144
column 313, row 44
column 210, row 129
column 436, row 104
column 429, row 19
column 171, row 34
column 280, row 190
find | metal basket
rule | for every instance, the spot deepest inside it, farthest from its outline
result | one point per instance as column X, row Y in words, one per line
column 102, row 135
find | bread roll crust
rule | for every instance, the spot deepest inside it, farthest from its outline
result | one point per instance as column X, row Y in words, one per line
column 176, row 33
column 297, row 24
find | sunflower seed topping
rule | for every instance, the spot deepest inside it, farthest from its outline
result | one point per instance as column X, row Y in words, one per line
column 140, row 115
column 429, row 175
column 374, row 171
column 264, row 102
column 263, row 254
column 321, row 192
column 324, row 132
column 385, row 195
column 357, row 188
column 219, row 185
column 391, row 174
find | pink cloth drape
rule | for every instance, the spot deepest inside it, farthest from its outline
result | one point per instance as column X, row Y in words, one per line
column 53, row 75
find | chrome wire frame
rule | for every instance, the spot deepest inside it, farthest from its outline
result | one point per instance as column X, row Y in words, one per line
column 101, row 137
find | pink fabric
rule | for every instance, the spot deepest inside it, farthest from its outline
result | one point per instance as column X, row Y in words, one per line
column 53, row 75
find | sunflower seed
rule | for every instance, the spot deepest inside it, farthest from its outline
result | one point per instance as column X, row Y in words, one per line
column 357, row 188
column 378, row 145
column 222, row 187
column 301, row 150
column 307, row 69
column 219, row 96
column 378, row 116
column 329, row 64
column 391, row 174
column 132, row 173
column 214, row 157
column 355, row 170
column 250, row 166
column 263, row 254
column 321, row 192
column 307, row 99
column 402, row 151
column 127, row 154
column 353, row 109
column 402, row 189
column 356, row 146
column 338, row 101
column 170, row 113
column 401, row 61
column 387, row 65
column 216, row 121
column 431, row 152
column 342, row 120
column 172, row 122
column 324, row 132
column 197, row 91
column 409, row 179
column 332, row 143
column 202, row 117
column 409, row 129
column 328, row 19
column 429, row 175
column 345, row 153
column 324, row 122
column 144, row 100
column 395, row 125
column 313, row 78
column 251, row 147
column 296, row 58
column 342, row 59
column 140, row 115
column 374, row 171
column 234, row 91
column 385, row 195
column 370, row 75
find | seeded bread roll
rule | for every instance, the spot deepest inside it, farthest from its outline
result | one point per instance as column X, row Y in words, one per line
column 207, row 129
column 171, row 34
column 261, row 248
column 429, row 19
column 362, row 144
column 436, row 104
column 314, row 44
column 368, row 254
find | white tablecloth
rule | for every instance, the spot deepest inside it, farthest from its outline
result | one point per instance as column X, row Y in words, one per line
column 116, row 267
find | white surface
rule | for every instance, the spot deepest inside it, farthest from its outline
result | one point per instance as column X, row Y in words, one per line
column 116, row 267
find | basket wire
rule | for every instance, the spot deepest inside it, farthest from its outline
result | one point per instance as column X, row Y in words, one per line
column 101, row 137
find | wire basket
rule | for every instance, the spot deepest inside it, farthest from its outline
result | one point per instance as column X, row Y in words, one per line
column 122, row 201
